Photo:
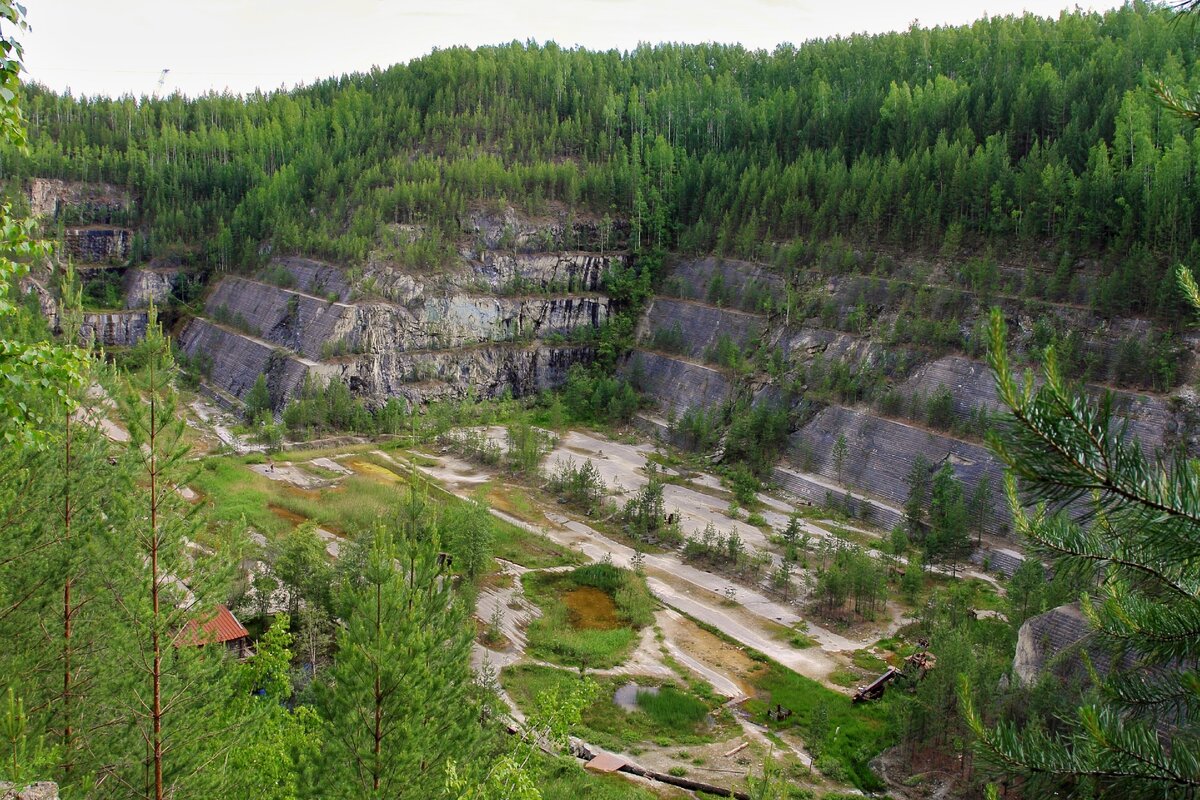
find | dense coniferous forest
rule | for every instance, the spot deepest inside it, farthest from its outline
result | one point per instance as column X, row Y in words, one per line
column 1009, row 133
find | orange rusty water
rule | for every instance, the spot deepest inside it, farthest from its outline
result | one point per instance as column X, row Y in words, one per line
column 591, row 609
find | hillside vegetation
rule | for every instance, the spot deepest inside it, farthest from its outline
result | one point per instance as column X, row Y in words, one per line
column 1011, row 132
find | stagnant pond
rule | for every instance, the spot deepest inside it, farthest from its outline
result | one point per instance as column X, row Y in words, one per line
column 626, row 696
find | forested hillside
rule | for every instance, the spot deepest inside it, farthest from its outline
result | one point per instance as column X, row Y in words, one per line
column 1010, row 133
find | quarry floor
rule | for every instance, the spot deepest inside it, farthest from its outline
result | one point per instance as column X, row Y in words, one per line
column 739, row 617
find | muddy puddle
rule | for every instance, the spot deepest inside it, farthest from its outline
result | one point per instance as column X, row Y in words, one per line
column 591, row 609
column 284, row 514
column 374, row 471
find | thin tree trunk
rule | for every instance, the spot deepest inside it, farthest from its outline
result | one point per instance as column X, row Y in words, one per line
column 67, row 611
column 156, row 674
column 378, row 688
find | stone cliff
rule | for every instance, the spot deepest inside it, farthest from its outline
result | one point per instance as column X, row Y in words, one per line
column 839, row 353
column 501, row 320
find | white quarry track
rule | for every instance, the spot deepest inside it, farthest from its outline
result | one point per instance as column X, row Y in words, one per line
column 752, row 621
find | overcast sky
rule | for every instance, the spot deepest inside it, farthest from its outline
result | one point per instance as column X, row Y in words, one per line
column 121, row 46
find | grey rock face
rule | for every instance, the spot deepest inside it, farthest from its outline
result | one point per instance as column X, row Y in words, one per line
column 676, row 384
column 731, row 283
column 314, row 277
column 115, row 328
column 1053, row 643
column 319, row 328
column 487, row 371
column 508, row 230
column 434, row 336
column 96, row 202
column 881, row 453
column 98, row 244
column 233, row 361
column 42, row 790
column 699, row 327
column 146, row 286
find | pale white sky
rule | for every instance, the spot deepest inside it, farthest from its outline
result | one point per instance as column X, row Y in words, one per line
column 119, row 46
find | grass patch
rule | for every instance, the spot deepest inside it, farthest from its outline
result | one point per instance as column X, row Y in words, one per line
column 591, row 615
column 672, row 708
column 845, row 676
column 852, row 735
column 232, row 492
column 533, row 550
column 682, row 720
column 866, row 660
column 563, row 779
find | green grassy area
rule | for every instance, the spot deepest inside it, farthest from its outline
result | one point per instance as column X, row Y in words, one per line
column 851, row 734
column 590, row 616
column 678, row 715
column 672, row 708
column 563, row 779
column 234, row 492
column 533, row 550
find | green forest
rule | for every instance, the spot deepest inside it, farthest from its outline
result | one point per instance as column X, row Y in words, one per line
column 1012, row 133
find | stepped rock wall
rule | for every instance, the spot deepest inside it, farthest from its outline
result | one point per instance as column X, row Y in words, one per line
column 1158, row 423
column 700, row 326
column 233, row 361
column 881, row 453
column 315, row 277
column 146, row 286
column 115, row 328
column 95, row 202
column 736, row 284
column 486, row 371
column 676, row 384
column 98, row 244
column 320, row 328
column 286, row 318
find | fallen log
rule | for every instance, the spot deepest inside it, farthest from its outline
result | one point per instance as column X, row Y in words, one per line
column 683, row 783
column 737, row 749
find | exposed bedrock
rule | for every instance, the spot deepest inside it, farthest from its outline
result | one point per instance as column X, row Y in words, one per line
column 675, row 384
column 314, row 277
column 561, row 272
column 320, row 328
column 98, row 244
column 508, row 230
column 698, row 327
column 1158, row 423
column 732, row 283
column 502, row 273
column 485, row 371
column 95, row 202
column 232, row 361
column 115, row 328
column 881, row 452
column 818, row 491
column 145, row 286
column 1053, row 642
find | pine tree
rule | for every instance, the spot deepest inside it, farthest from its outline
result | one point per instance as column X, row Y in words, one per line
column 395, row 701
column 916, row 506
column 258, row 399
column 1140, row 737
column 948, row 541
column 840, row 451
column 172, row 693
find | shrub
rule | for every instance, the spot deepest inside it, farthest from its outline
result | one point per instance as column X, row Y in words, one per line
column 940, row 409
